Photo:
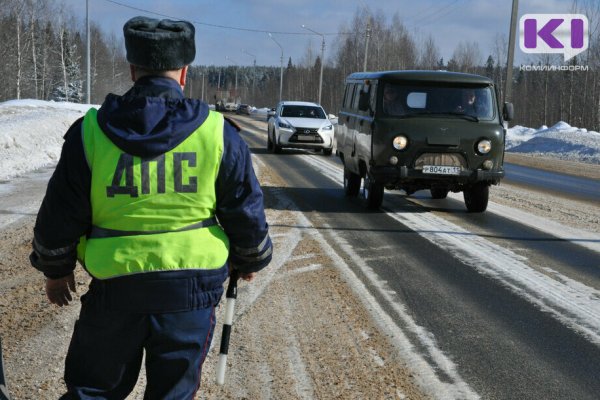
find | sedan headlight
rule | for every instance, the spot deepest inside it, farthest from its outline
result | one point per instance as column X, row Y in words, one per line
column 484, row 146
column 400, row 142
column 327, row 128
column 284, row 125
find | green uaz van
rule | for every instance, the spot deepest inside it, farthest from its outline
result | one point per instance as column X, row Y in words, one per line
column 415, row 130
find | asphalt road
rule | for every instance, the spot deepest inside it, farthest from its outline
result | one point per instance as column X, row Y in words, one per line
column 486, row 332
column 560, row 184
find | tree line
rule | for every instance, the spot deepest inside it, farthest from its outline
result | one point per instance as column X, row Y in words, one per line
column 43, row 48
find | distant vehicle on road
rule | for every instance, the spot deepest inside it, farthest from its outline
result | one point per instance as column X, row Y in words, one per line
column 300, row 125
column 243, row 109
column 270, row 113
column 230, row 106
column 414, row 130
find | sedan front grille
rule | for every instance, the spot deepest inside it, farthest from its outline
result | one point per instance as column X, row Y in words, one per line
column 306, row 135
column 306, row 131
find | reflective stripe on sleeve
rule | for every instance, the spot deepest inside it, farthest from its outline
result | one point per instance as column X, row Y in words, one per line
column 52, row 252
column 251, row 250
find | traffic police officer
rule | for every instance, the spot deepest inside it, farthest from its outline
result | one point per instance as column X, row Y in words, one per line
column 157, row 198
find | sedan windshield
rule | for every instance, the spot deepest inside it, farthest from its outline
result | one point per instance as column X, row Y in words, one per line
column 472, row 102
column 302, row 112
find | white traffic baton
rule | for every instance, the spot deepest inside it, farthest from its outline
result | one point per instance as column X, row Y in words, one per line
column 231, row 295
column 3, row 391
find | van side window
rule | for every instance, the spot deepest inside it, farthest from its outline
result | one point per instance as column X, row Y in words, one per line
column 357, row 91
column 349, row 94
column 345, row 98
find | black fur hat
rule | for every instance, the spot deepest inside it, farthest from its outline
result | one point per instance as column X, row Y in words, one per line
column 159, row 45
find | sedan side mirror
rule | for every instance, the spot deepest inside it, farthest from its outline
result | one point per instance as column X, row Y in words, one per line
column 508, row 112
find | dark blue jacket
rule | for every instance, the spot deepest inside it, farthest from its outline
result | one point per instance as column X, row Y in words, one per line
column 150, row 119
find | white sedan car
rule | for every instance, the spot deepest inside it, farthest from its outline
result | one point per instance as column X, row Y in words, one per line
column 300, row 125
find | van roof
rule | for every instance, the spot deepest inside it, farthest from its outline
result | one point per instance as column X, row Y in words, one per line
column 420, row 75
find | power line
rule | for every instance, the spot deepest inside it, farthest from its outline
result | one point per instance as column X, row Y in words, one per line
column 237, row 28
column 440, row 13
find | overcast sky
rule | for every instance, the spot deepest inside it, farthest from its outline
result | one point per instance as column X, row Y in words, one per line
column 244, row 23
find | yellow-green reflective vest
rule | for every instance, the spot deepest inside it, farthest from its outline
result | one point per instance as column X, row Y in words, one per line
column 156, row 214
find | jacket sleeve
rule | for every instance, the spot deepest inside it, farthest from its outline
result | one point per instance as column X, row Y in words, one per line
column 65, row 213
column 240, row 207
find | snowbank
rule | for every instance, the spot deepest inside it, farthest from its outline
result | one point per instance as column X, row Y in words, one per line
column 31, row 133
column 560, row 140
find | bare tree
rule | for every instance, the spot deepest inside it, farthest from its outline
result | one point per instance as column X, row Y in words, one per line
column 500, row 49
column 430, row 54
column 468, row 56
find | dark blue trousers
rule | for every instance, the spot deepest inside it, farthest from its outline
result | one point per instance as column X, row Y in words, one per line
column 105, row 354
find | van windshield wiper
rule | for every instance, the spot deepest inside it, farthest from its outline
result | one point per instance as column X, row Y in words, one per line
column 468, row 117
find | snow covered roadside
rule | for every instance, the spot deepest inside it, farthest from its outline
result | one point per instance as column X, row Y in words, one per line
column 561, row 141
column 31, row 134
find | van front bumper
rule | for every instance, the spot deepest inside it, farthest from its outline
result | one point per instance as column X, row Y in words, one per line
column 403, row 174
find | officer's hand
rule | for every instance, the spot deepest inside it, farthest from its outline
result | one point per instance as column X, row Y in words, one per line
column 59, row 290
column 248, row 277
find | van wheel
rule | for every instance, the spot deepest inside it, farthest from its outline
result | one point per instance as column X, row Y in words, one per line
column 351, row 183
column 372, row 192
column 476, row 197
column 438, row 193
column 327, row 152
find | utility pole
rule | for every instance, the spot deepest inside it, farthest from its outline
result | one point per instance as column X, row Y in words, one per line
column 202, row 90
column 253, row 72
column 236, row 74
column 88, row 92
column 511, row 51
column 322, row 60
column 280, row 68
column 367, row 43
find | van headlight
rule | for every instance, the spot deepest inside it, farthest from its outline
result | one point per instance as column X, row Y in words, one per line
column 484, row 146
column 400, row 142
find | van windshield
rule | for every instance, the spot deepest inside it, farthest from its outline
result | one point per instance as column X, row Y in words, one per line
column 302, row 112
column 402, row 100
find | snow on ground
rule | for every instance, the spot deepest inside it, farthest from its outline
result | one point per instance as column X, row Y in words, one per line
column 560, row 140
column 31, row 134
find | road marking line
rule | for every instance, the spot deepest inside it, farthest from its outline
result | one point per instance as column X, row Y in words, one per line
column 308, row 268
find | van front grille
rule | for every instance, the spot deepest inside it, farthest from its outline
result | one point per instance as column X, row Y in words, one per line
column 445, row 159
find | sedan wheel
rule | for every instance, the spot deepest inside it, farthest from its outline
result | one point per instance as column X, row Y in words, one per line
column 269, row 143
column 274, row 147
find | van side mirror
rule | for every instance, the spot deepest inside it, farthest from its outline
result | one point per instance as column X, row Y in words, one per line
column 364, row 101
column 508, row 112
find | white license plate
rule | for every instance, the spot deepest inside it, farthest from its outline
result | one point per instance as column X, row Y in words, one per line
column 441, row 170
column 307, row 138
